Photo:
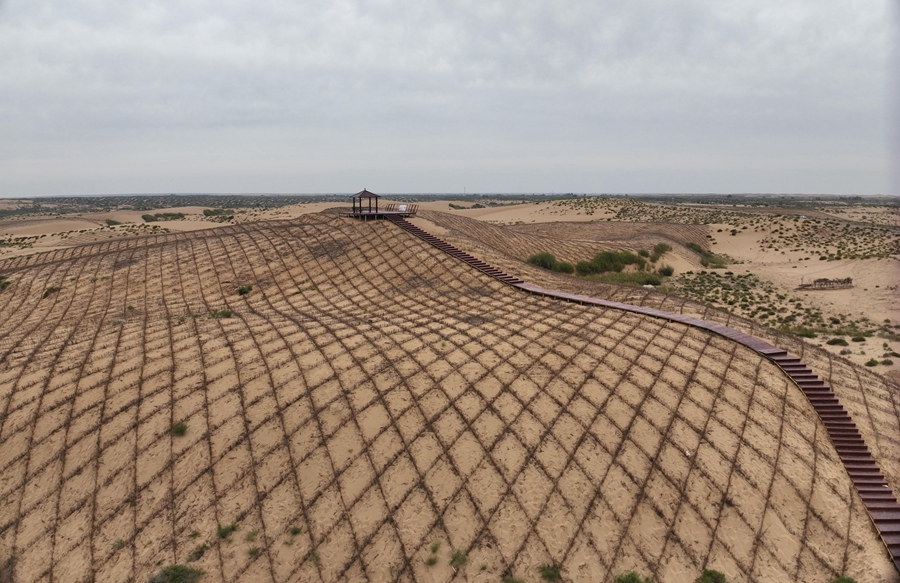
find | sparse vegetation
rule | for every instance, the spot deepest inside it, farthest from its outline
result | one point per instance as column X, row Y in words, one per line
column 112, row 222
column 4, row 282
column 315, row 557
column 197, row 553
column 431, row 560
column 179, row 429
column 549, row 572
column 162, row 217
column 711, row 576
column 253, row 551
column 225, row 531
column 633, row 577
column 458, row 558
column 245, row 289
column 177, row 574
column 223, row 313
column 435, row 546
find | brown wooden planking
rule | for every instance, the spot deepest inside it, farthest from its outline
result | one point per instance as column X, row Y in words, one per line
column 864, row 472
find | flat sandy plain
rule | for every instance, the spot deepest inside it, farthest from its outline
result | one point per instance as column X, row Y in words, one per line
column 371, row 397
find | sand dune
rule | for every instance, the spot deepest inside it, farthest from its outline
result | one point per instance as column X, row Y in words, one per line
column 377, row 397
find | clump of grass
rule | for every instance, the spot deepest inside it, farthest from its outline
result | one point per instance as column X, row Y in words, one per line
column 251, row 536
column 119, row 545
column 431, row 560
column 197, row 553
column 666, row 270
column 548, row 261
column 295, row 530
column 179, row 429
column 628, row 278
column 837, row 342
column 549, row 572
column 858, row 338
column 50, row 290
column 253, row 551
column 435, row 546
column 223, row 313
column 887, row 361
column 177, row 574
column 194, row 534
column 315, row 557
column 225, row 531
column 711, row 576
column 245, row 289
column 609, row 261
column 633, row 577
column 4, row 282
column 458, row 558
column 112, row 222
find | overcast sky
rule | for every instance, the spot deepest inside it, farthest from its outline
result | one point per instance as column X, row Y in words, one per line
column 127, row 96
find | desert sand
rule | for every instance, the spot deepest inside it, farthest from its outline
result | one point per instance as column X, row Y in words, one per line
column 371, row 403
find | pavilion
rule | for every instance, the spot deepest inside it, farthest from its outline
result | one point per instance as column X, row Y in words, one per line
column 362, row 207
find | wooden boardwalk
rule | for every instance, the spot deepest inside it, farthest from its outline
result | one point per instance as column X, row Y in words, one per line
column 868, row 478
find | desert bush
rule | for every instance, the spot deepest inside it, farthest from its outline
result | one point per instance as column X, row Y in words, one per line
column 197, row 553
column 549, row 572
column 112, row 222
column 711, row 576
column 628, row 278
column 887, row 361
column 633, row 577
column 179, row 429
column 585, row 268
column 666, row 270
column 217, row 212
column 871, row 362
column 177, row 574
column 837, row 342
column 225, row 531
column 644, row 253
column 223, row 313
column 245, row 289
column 858, row 338
column 458, row 558
column 148, row 218
column 694, row 247
column 543, row 259
column 564, row 267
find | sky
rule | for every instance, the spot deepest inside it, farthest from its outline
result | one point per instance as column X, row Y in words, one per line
column 314, row 96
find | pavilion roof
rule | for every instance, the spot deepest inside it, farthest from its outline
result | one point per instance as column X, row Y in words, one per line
column 366, row 194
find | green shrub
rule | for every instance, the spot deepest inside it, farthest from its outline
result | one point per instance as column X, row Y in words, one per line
column 633, row 577
column 112, row 222
column 585, row 268
column 543, row 259
column 871, row 362
column 148, row 218
column 644, row 253
column 549, row 572
column 179, row 429
column 628, row 278
column 458, row 558
column 223, row 313
column 693, row 247
column 217, row 212
column 197, row 553
column 858, row 338
column 245, row 289
column 177, row 574
column 710, row 576
column 616, row 260
column 887, row 361
column 564, row 267
column 666, row 270
column 225, row 531
column 837, row 342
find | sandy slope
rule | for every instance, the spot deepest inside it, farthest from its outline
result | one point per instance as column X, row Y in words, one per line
column 380, row 396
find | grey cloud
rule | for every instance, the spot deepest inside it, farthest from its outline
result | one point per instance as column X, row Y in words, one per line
column 754, row 83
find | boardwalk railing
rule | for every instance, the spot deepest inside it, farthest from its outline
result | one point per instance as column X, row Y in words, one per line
column 864, row 472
